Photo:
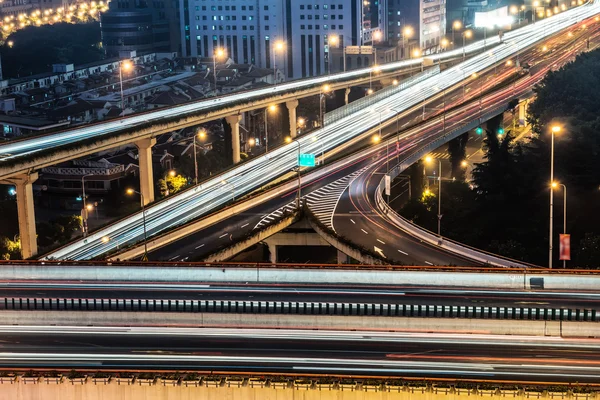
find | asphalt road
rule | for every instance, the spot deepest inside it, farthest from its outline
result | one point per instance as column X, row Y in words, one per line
column 357, row 215
column 515, row 358
column 390, row 295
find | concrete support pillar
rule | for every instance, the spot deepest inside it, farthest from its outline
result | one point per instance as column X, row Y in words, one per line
column 145, row 162
column 346, row 95
column 26, row 213
column 291, row 106
column 234, row 123
column 272, row 253
column 342, row 258
column 522, row 109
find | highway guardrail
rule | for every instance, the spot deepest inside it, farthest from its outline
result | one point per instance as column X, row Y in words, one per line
column 301, row 308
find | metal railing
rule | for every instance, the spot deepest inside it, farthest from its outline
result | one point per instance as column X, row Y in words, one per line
column 300, row 308
column 366, row 101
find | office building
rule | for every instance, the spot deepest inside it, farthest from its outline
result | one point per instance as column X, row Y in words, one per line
column 291, row 35
column 423, row 21
column 139, row 25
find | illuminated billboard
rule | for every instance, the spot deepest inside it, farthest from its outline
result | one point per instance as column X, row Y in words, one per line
column 494, row 18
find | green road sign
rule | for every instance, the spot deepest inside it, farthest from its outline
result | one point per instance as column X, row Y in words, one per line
column 306, row 160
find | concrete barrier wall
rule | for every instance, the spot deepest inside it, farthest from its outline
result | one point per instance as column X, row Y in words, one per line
column 371, row 323
column 157, row 391
column 495, row 280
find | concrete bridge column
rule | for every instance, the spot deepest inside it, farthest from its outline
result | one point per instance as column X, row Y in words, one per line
column 346, row 95
column 342, row 258
column 522, row 109
column 291, row 106
column 272, row 253
column 26, row 214
column 145, row 162
column 234, row 123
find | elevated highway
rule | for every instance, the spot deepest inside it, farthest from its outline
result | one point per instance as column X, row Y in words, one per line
column 355, row 211
column 410, row 355
column 216, row 192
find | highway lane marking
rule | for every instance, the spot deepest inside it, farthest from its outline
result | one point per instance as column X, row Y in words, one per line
column 403, row 252
column 427, row 262
column 222, row 236
column 381, row 241
column 366, row 233
column 197, row 247
column 171, row 259
column 245, row 225
column 351, row 220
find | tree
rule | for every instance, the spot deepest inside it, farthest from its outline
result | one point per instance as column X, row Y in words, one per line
column 457, row 148
column 172, row 184
column 589, row 251
column 36, row 48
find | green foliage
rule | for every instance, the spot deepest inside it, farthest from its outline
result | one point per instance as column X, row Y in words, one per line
column 37, row 48
column 172, row 184
column 58, row 231
column 10, row 249
column 507, row 210
column 457, row 148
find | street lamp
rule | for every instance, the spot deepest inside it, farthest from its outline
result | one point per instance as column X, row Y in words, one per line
column 555, row 129
column 314, row 139
column 106, row 239
column 375, row 68
column 224, row 182
column 416, row 54
column 84, row 211
column 534, row 7
column 131, row 192
column 455, row 26
column 219, row 52
column 271, row 108
column 554, row 186
column 290, row 140
column 466, row 34
column 300, row 123
column 202, row 135
column 407, row 32
column 429, row 160
column 323, row 105
column 279, row 46
column 123, row 65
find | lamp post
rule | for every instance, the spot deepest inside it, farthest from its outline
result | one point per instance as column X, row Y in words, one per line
column 429, row 159
column 290, row 140
column 553, row 130
column 375, row 68
column 417, row 54
column 279, row 46
column 314, row 139
column 455, row 26
column 217, row 53
column 466, row 34
column 106, row 239
column 123, row 65
column 322, row 105
column 397, row 131
column 84, row 211
column 224, row 182
column 407, row 32
column 130, row 192
column 201, row 134
column 534, row 7
column 554, row 185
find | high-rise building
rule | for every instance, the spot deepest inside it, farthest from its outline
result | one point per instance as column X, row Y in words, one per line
column 140, row 25
column 423, row 21
column 291, row 35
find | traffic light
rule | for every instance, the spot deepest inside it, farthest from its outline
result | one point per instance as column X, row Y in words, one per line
column 479, row 130
column 500, row 131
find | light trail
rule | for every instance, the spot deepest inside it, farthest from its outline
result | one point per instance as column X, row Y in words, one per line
column 212, row 194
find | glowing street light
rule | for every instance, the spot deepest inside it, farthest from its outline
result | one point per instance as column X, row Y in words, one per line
column 554, row 130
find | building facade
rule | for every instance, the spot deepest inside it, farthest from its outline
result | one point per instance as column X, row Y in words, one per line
column 140, row 25
column 424, row 19
column 290, row 35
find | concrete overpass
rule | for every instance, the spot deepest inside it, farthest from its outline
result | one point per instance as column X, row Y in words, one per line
column 141, row 133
